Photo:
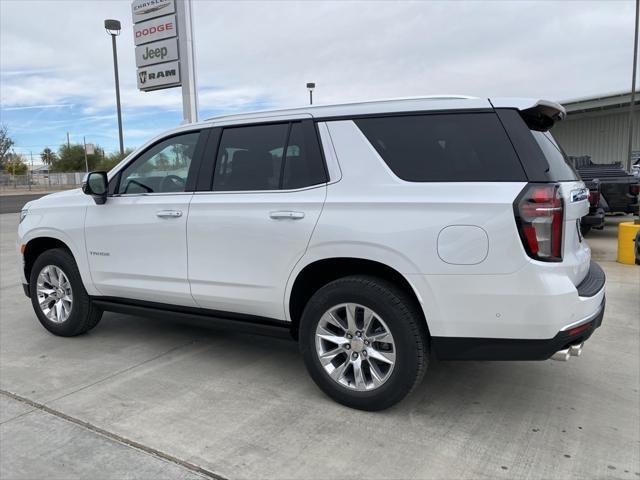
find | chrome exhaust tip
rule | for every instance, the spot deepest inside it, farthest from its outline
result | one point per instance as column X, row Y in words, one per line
column 576, row 350
column 561, row 355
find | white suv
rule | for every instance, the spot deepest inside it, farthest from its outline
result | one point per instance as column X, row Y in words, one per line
column 379, row 234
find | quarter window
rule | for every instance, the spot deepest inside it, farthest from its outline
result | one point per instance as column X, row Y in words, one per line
column 268, row 157
column 457, row 147
column 161, row 169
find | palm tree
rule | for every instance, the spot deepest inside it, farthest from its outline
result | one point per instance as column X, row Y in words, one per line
column 48, row 156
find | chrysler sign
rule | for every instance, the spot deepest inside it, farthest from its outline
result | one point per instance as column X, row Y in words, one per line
column 157, row 29
column 147, row 9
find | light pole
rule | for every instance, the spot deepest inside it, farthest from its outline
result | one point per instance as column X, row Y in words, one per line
column 310, row 87
column 633, row 87
column 113, row 28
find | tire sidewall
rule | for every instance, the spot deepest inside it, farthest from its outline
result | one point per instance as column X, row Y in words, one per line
column 395, row 314
column 79, row 306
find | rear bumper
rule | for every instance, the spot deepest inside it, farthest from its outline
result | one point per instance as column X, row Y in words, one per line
column 595, row 219
column 459, row 348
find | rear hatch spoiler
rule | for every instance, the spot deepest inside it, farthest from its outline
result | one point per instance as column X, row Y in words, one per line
column 539, row 115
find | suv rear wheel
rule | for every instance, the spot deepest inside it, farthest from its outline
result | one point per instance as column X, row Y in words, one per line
column 58, row 295
column 363, row 342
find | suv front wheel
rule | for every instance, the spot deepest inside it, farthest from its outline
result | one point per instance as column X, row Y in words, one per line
column 58, row 295
column 363, row 342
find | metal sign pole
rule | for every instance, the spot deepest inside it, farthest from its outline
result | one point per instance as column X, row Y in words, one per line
column 187, row 61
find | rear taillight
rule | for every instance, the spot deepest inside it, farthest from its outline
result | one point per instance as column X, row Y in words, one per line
column 539, row 216
column 594, row 198
column 634, row 189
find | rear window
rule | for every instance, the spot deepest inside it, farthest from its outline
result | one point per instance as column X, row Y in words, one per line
column 559, row 167
column 455, row 147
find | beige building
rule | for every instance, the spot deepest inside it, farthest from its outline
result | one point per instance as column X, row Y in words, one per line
column 599, row 127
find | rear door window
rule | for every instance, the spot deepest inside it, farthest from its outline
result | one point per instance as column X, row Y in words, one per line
column 281, row 156
column 455, row 147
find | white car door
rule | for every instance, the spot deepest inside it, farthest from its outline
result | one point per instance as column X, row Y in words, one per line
column 136, row 241
column 246, row 233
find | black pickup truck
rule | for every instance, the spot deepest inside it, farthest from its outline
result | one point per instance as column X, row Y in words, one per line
column 618, row 190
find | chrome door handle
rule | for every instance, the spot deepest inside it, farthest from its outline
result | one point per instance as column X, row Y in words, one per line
column 286, row 215
column 168, row 213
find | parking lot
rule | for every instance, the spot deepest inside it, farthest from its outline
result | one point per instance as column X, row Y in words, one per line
column 141, row 398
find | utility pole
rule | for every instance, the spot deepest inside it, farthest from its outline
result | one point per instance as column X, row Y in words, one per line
column 86, row 162
column 30, row 176
column 633, row 87
column 68, row 142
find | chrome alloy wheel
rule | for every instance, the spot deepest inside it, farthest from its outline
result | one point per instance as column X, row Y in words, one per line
column 55, row 296
column 355, row 347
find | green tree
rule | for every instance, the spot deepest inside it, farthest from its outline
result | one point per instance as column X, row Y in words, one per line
column 5, row 145
column 48, row 156
column 15, row 164
column 71, row 159
column 111, row 160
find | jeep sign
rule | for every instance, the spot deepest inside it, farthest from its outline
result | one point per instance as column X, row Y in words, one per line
column 157, row 52
column 142, row 10
column 157, row 29
column 163, row 75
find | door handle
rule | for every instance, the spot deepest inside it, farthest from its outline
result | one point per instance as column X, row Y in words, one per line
column 286, row 215
column 169, row 213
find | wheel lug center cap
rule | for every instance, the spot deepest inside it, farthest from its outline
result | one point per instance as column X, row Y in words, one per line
column 357, row 344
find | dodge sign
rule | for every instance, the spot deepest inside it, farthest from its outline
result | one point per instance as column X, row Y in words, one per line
column 157, row 29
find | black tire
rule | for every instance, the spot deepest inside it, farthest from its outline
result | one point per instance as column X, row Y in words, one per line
column 403, row 318
column 585, row 229
column 84, row 315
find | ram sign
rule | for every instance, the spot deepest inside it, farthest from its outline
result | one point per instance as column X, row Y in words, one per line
column 162, row 75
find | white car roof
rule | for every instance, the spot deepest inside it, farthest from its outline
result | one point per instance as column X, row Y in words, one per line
column 385, row 106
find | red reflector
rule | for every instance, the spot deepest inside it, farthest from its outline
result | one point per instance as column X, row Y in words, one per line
column 580, row 329
column 634, row 189
column 530, row 235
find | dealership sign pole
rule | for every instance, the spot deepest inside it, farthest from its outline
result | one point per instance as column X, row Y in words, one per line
column 163, row 36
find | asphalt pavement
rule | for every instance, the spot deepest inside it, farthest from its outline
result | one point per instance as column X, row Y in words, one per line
column 139, row 398
column 14, row 203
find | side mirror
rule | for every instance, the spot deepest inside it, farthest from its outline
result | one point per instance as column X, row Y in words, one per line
column 96, row 185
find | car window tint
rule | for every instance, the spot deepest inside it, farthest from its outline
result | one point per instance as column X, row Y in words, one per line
column 254, row 158
column 302, row 167
column 460, row 147
column 250, row 158
column 163, row 168
column 559, row 167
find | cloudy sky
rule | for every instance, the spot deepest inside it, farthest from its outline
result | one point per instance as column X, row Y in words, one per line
column 56, row 69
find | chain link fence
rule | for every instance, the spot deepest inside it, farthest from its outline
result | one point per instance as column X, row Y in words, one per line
column 40, row 182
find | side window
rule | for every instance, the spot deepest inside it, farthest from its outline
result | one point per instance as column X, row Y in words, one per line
column 456, row 147
column 163, row 168
column 303, row 164
column 267, row 157
column 250, row 158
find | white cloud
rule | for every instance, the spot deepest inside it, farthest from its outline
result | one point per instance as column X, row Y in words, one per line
column 263, row 52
